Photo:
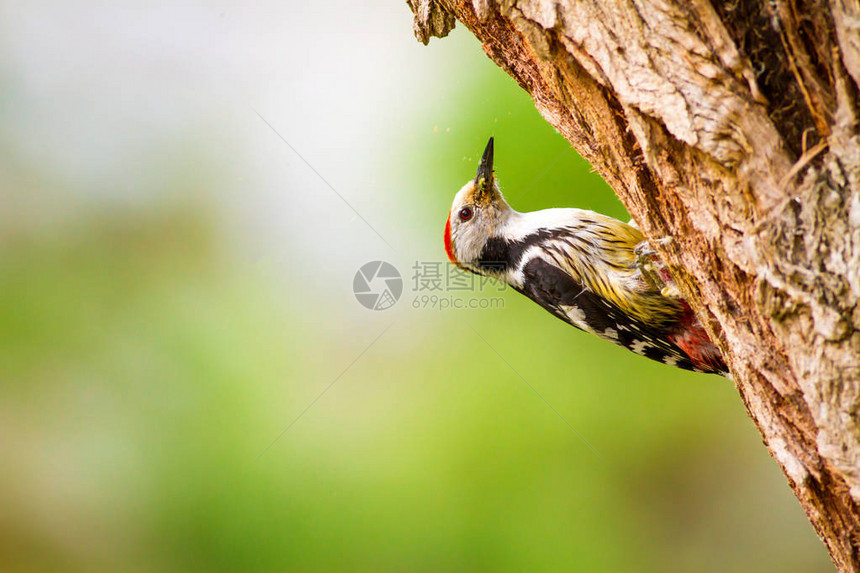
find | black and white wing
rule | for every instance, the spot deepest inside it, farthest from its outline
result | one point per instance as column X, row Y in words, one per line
column 571, row 301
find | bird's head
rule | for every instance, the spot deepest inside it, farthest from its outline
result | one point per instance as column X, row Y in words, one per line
column 478, row 213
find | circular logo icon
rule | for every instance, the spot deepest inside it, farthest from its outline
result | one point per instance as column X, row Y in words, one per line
column 377, row 285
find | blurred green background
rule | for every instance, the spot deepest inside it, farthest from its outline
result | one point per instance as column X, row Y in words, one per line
column 190, row 385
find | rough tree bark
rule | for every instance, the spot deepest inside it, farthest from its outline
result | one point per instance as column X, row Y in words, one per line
column 731, row 127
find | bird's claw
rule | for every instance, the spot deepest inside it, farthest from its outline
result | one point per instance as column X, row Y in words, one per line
column 650, row 267
column 671, row 291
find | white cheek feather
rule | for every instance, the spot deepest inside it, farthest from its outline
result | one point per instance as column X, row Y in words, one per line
column 469, row 240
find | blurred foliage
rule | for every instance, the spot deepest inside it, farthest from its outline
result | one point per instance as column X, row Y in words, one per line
column 147, row 366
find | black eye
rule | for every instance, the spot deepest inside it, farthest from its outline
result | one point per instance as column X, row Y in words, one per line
column 465, row 213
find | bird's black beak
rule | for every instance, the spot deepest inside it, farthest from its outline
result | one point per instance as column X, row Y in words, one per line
column 484, row 177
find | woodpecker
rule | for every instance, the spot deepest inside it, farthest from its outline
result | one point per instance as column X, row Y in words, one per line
column 592, row 271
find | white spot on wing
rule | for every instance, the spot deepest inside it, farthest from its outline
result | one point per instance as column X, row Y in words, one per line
column 611, row 333
column 639, row 346
column 577, row 317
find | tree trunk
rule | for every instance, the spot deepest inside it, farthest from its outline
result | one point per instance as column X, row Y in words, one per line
column 732, row 128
